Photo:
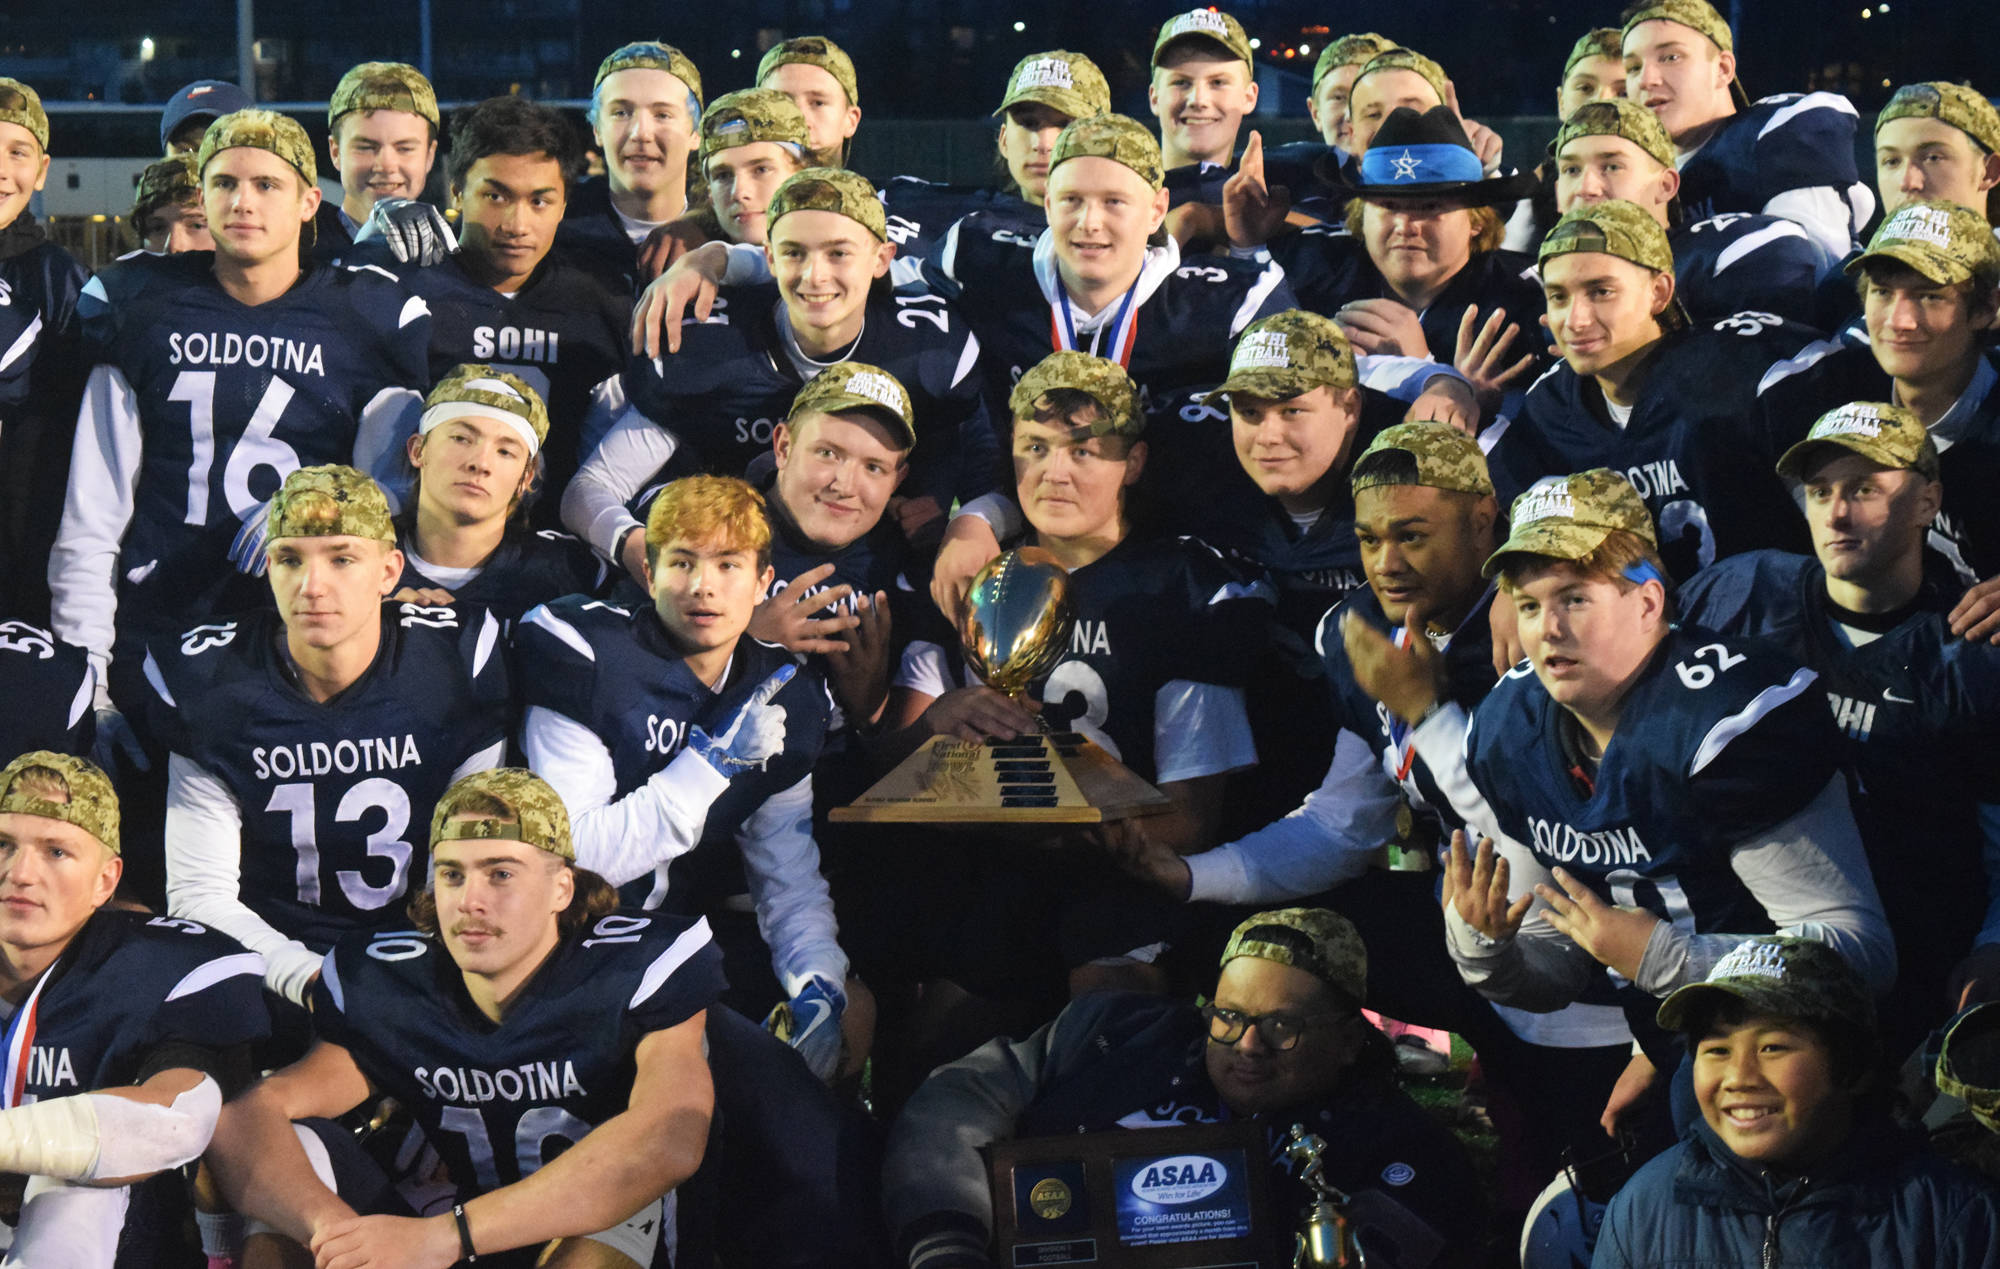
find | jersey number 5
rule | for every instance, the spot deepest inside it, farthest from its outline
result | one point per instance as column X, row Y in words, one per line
column 257, row 447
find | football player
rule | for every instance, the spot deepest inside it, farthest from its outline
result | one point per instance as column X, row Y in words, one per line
column 477, row 452
column 1791, row 155
column 1333, row 83
column 510, row 296
column 1915, row 706
column 549, row 1046
column 1399, row 78
column 42, row 370
column 220, row 375
column 189, row 112
column 305, row 742
column 722, row 395
column 1595, row 71
column 166, row 208
column 1739, row 262
column 751, row 141
column 1929, row 288
column 1203, row 83
column 681, row 742
column 1045, row 93
column 1642, row 392
column 818, row 76
column 645, row 104
column 1665, row 787
column 382, row 130
column 1938, row 142
column 126, row 1031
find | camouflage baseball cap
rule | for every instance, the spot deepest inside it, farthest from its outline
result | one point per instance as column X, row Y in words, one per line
column 650, row 55
column 750, row 115
column 165, row 182
column 1204, row 24
column 1568, row 517
column 1605, row 41
column 1410, row 60
column 536, row 812
column 1779, row 976
column 1102, row 379
column 1698, row 14
column 1886, row 435
column 383, row 86
column 1061, row 80
column 330, row 501
column 830, row 189
column 1322, row 943
column 814, row 50
column 1968, row 1064
column 92, row 804
column 1120, row 138
column 1619, row 117
column 1446, row 458
column 260, row 130
column 1287, row 354
column 1960, row 105
column 1349, row 50
column 854, row 385
column 488, row 393
column 1944, row 241
column 20, row 104
column 1615, row 228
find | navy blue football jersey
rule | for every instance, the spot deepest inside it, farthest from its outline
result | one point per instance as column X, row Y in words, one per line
column 1697, row 448
column 1720, row 738
column 230, row 400
column 1918, row 713
column 49, row 688
column 1299, row 166
column 1833, row 373
column 616, row 671
column 724, row 393
column 333, row 231
column 1739, row 262
column 336, row 797
column 1787, row 142
column 1329, row 267
column 526, row 569
column 591, row 230
column 920, row 211
column 134, row 994
column 499, row 1100
column 567, row 331
column 1189, row 314
column 42, row 370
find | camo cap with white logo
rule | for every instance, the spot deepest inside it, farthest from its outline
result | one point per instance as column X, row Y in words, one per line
column 1568, row 517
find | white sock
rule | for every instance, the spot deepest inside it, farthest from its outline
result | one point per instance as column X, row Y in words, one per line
column 221, row 1234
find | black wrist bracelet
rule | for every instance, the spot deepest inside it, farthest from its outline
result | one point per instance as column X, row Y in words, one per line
column 465, row 1251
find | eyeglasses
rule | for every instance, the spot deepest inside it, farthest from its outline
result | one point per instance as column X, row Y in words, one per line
column 1281, row 1030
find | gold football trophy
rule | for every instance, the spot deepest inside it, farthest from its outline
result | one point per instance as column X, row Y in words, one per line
column 1014, row 625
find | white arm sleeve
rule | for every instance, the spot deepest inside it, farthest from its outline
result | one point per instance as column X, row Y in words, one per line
column 620, row 839
column 485, row 760
column 748, row 267
column 1824, row 214
column 1200, row 729
column 1440, row 742
column 1001, row 513
column 1538, row 970
column 1327, row 840
column 607, row 402
column 204, row 840
column 388, row 420
column 95, row 1136
column 593, row 507
column 1403, row 378
column 1812, row 878
column 97, row 509
column 794, row 906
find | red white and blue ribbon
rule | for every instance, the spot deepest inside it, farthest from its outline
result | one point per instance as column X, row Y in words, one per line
column 1399, row 731
column 19, row 1042
column 1124, row 327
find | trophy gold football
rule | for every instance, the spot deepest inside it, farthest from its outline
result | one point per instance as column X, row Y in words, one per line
column 1014, row 626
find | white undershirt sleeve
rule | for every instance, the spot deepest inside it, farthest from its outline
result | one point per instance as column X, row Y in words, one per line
column 594, row 505
column 794, row 906
column 97, row 509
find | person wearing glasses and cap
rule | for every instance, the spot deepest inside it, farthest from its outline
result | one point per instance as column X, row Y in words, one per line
column 1281, row 1041
column 1790, row 155
column 126, row 1030
column 1793, row 1158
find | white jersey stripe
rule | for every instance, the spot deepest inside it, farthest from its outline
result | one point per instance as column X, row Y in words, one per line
column 209, row 973
column 692, row 940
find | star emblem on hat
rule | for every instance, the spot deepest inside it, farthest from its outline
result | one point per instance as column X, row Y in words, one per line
column 1406, row 166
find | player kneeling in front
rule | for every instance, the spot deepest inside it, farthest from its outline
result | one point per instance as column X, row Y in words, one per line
column 567, row 1027
column 121, row 1030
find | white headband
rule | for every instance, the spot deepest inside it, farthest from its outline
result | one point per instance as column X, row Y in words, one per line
column 445, row 410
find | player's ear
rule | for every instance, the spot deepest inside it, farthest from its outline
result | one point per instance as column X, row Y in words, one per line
column 108, row 877
column 392, row 570
column 309, row 201
column 42, row 174
column 333, row 147
column 414, row 448
column 1160, row 198
column 1135, row 462
column 565, row 888
column 764, row 580
column 1725, row 66
column 1989, row 175
column 883, row 255
column 1670, row 185
column 1663, row 293
column 1250, row 97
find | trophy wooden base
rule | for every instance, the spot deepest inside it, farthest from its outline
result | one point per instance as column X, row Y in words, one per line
column 1061, row 778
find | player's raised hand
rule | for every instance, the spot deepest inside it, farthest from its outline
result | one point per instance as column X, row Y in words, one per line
column 755, row 732
column 1253, row 210
column 969, row 544
column 387, row 1242
column 860, row 675
column 414, row 231
column 691, row 282
column 1615, row 936
column 1383, row 326
column 787, row 617
column 975, row 714
column 1476, row 885
column 1481, row 354
column 1407, row 679
column 1976, row 616
column 1485, row 141
column 1508, row 650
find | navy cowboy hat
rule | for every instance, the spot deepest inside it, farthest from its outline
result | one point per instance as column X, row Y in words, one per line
column 1427, row 155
